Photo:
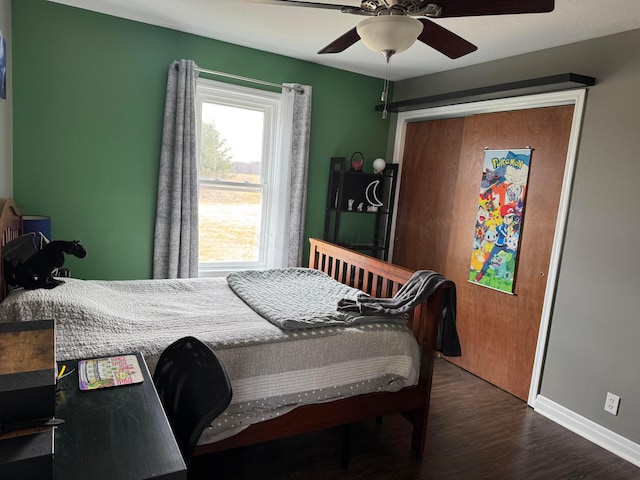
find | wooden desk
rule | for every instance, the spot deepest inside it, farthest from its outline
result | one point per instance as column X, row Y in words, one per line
column 114, row 433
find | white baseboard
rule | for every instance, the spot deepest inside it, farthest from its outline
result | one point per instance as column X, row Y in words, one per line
column 588, row 429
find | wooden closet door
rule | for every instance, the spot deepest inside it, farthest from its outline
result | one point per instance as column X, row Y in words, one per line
column 498, row 332
column 429, row 176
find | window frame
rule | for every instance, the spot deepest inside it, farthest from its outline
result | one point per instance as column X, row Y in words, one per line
column 273, row 219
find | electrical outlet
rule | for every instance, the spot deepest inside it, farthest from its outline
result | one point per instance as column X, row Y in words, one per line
column 612, row 403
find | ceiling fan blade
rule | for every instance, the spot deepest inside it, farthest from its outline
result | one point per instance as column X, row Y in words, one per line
column 296, row 3
column 471, row 8
column 343, row 42
column 443, row 40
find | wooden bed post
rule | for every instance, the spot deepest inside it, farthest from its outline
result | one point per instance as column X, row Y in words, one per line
column 313, row 256
column 10, row 229
column 429, row 334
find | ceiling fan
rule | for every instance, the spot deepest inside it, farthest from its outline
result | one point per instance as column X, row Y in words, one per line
column 392, row 27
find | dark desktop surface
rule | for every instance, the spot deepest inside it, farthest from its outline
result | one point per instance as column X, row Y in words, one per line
column 113, row 433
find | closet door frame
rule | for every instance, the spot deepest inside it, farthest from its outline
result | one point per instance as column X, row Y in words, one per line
column 568, row 97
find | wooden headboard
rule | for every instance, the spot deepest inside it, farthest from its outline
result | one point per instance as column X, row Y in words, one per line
column 10, row 228
column 371, row 275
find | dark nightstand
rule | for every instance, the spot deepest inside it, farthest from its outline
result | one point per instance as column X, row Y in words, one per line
column 114, row 433
column 27, row 399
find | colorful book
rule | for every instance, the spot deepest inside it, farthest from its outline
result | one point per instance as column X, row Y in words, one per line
column 109, row 372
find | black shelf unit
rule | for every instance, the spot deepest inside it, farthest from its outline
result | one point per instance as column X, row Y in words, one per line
column 365, row 190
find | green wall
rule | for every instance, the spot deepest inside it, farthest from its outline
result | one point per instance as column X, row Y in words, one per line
column 88, row 105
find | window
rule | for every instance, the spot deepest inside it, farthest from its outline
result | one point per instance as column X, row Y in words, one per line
column 241, row 214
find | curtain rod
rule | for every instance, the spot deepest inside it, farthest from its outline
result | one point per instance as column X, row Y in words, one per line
column 297, row 88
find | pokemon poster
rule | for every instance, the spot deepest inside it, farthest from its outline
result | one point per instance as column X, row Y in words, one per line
column 499, row 218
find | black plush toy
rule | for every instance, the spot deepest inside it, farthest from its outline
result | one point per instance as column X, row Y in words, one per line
column 30, row 266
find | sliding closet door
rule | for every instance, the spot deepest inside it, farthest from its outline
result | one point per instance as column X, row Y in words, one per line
column 427, row 187
column 440, row 184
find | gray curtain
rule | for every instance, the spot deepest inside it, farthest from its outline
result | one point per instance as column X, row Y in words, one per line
column 301, row 128
column 175, row 253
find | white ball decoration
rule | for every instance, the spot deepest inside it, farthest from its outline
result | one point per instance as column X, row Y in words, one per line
column 378, row 165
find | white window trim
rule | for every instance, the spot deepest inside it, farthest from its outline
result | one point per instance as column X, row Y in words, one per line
column 275, row 171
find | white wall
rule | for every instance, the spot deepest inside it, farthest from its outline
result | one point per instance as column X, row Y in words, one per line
column 6, row 110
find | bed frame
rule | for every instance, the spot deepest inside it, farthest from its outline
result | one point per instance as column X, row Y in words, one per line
column 374, row 276
column 381, row 279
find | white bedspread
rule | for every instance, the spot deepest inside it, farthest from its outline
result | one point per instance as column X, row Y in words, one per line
column 272, row 371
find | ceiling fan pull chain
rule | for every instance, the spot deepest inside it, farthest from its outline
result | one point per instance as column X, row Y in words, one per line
column 385, row 90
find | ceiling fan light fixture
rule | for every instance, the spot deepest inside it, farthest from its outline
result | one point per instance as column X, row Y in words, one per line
column 389, row 33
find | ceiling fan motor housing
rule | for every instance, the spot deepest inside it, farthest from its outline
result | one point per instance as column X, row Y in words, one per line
column 398, row 7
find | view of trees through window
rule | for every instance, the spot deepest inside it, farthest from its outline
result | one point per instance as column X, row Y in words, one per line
column 231, row 195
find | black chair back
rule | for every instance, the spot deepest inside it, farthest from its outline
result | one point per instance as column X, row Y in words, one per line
column 194, row 389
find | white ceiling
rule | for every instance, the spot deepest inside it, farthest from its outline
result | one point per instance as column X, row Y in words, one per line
column 301, row 32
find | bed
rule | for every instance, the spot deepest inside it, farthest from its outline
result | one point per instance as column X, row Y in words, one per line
column 400, row 383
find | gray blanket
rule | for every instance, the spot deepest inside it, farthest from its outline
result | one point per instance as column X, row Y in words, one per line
column 293, row 298
column 419, row 287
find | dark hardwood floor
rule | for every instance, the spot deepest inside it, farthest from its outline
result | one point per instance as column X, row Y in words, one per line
column 476, row 432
